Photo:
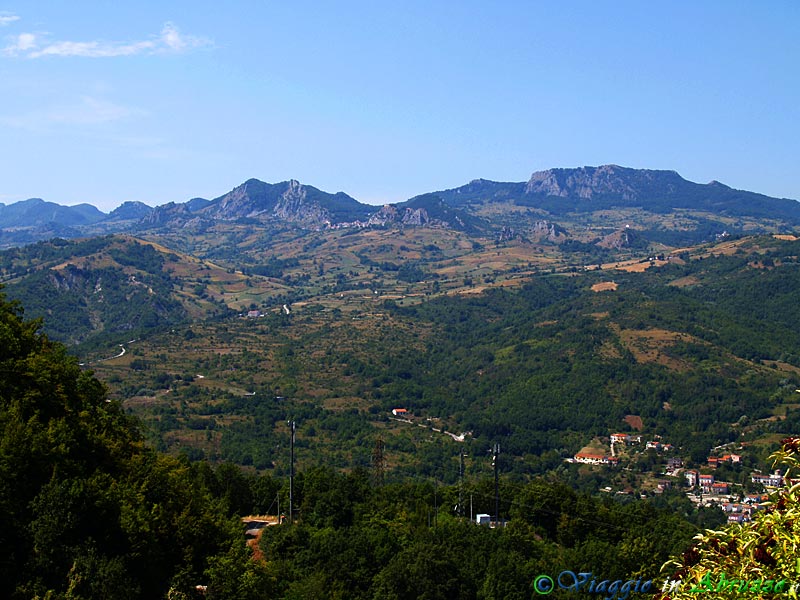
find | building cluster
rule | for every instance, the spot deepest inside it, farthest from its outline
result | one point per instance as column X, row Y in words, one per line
column 707, row 483
column 595, row 459
column 774, row 480
column 715, row 461
column 704, row 487
column 632, row 440
column 742, row 512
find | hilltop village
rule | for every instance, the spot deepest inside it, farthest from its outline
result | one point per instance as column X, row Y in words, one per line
column 726, row 479
column 637, row 467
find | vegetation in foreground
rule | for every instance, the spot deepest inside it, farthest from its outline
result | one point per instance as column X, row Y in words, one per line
column 757, row 559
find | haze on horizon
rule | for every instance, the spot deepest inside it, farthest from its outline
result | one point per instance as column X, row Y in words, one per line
column 166, row 101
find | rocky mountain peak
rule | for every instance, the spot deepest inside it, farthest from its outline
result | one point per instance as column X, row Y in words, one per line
column 626, row 237
column 584, row 182
column 295, row 206
column 607, row 180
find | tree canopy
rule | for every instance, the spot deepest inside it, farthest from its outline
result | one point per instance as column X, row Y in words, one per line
column 86, row 510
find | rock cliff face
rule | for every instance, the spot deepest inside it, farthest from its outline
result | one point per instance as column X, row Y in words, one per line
column 390, row 214
column 607, row 180
column 549, row 231
column 293, row 206
column 167, row 215
column 624, row 238
column 289, row 202
column 387, row 214
column 540, row 231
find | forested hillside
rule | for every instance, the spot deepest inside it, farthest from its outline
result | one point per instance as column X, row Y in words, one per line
column 700, row 350
column 90, row 512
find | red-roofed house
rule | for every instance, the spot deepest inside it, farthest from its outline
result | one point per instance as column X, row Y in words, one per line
column 590, row 459
column 720, row 487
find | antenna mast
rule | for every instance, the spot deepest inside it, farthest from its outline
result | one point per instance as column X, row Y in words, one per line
column 495, row 455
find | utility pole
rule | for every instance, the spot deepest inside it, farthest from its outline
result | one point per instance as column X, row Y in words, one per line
column 471, row 516
column 461, row 483
column 495, row 455
column 291, row 475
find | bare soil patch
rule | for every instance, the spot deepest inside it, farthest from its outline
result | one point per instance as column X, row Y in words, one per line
column 635, row 421
column 647, row 346
column 638, row 266
column 687, row 281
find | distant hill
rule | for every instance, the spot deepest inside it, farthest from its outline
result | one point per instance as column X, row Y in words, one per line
column 129, row 211
column 657, row 191
column 585, row 204
column 35, row 212
column 588, row 189
column 479, row 191
column 113, row 285
column 289, row 202
column 428, row 210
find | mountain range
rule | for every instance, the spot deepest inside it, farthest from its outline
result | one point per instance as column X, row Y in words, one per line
column 573, row 200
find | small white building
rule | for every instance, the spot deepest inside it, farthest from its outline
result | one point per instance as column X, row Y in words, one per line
column 483, row 519
column 774, row 480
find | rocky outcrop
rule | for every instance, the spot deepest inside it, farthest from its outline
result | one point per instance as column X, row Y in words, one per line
column 624, row 238
column 294, row 207
column 391, row 214
column 289, row 202
column 607, row 180
column 585, row 182
column 167, row 215
column 549, row 231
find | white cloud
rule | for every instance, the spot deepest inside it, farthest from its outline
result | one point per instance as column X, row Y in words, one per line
column 173, row 39
column 90, row 49
column 7, row 19
column 170, row 40
column 22, row 43
column 85, row 112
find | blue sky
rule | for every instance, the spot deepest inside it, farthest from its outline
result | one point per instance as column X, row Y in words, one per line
column 165, row 101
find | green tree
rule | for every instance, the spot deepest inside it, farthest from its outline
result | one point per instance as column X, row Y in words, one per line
column 86, row 510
